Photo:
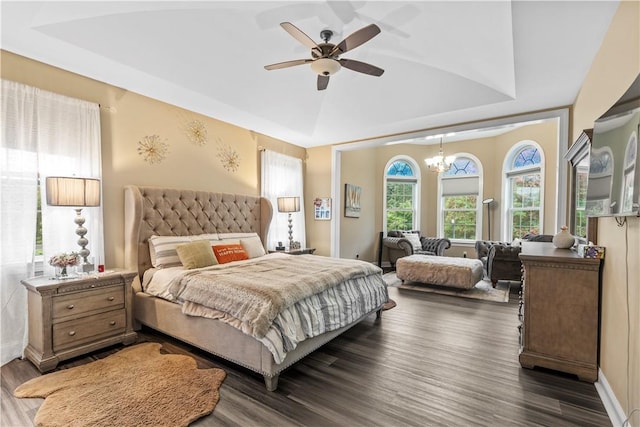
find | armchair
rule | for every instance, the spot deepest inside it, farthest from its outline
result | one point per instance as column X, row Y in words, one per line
column 399, row 245
column 501, row 260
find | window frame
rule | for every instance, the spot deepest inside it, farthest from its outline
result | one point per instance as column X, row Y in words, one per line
column 479, row 210
column 416, row 179
column 508, row 173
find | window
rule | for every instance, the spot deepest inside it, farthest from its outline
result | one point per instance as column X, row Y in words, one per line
column 460, row 207
column 578, row 157
column 402, row 179
column 523, row 179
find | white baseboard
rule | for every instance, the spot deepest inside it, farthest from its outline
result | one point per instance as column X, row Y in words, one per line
column 611, row 404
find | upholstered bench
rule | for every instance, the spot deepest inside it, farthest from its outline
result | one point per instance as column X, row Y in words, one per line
column 461, row 273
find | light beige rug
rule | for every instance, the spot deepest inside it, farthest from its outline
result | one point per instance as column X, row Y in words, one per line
column 482, row 290
column 137, row 386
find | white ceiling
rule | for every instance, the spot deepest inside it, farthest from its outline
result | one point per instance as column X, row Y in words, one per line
column 445, row 62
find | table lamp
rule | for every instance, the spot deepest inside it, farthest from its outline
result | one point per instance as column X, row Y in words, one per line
column 289, row 205
column 78, row 193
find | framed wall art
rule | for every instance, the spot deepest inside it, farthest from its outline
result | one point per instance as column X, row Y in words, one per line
column 352, row 200
column 322, row 208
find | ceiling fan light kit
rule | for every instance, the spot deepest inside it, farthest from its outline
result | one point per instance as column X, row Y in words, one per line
column 325, row 66
column 325, row 56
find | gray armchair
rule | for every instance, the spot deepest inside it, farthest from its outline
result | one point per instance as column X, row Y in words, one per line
column 398, row 246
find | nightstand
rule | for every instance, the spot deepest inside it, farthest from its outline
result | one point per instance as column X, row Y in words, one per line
column 68, row 318
column 302, row 251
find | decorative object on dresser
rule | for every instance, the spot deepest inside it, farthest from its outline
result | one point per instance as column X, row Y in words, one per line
column 559, row 310
column 73, row 317
column 563, row 239
column 78, row 193
column 61, row 262
column 289, row 205
column 117, row 390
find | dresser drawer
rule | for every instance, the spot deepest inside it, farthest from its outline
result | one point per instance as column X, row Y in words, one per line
column 83, row 302
column 87, row 329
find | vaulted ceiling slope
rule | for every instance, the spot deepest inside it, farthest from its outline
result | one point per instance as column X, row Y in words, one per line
column 445, row 62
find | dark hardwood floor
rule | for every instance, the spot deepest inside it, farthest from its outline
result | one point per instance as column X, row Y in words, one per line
column 433, row 360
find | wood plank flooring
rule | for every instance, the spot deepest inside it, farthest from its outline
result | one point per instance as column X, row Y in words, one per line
column 434, row 360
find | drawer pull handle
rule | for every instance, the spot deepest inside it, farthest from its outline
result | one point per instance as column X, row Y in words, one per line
column 112, row 323
column 70, row 306
column 110, row 298
column 72, row 333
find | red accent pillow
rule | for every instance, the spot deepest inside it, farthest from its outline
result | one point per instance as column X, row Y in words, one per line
column 228, row 253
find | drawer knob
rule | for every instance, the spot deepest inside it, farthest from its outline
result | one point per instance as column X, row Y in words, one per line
column 70, row 306
column 110, row 298
column 112, row 323
column 72, row 333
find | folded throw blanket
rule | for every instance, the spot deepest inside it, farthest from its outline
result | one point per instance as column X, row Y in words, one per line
column 256, row 293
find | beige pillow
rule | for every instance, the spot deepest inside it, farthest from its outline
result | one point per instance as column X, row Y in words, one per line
column 196, row 254
column 253, row 246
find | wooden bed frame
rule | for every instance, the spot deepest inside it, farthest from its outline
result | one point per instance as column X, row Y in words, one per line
column 167, row 212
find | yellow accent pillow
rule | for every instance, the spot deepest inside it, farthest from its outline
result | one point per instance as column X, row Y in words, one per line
column 196, row 254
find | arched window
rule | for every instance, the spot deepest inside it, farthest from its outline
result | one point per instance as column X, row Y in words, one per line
column 401, row 190
column 523, row 184
column 628, row 176
column 460, row 207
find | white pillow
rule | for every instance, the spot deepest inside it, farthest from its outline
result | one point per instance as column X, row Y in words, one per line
column 162, row 249
column 516, row 243
column 253, row 246
column 414, row 239
column 223, row 236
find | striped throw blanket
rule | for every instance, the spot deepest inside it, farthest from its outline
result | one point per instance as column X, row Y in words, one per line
column 251, row 296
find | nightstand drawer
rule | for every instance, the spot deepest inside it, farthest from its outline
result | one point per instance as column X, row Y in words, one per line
column 87, row 301
column 87, row 329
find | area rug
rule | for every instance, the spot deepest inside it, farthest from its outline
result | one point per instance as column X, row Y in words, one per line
column 482, row 290
column 137, row 386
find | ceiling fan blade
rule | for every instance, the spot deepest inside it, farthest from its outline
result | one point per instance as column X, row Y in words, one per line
column 361, row 67
column 299, row 35
column 356, row 39
column 323, row 82
column 286, row 64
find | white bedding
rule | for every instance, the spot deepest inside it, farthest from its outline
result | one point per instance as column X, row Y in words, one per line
column 329, row 310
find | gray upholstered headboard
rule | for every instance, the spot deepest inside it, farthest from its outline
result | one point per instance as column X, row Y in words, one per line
column 172, row 212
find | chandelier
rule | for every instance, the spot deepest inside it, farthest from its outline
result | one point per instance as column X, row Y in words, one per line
column 440, row 163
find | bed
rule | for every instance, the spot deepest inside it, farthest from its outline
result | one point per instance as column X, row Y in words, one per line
column 151, row 212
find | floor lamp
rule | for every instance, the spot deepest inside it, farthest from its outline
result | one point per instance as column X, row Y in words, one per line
column 488, row 203
column 289, row 205
column 77, row 193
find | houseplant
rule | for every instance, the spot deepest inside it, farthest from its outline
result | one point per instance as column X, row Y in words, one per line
column 63, row 260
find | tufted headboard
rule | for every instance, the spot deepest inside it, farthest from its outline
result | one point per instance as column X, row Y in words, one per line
column 172, row 212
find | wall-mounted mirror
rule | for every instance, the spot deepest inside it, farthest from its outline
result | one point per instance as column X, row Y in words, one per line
column 614, row 166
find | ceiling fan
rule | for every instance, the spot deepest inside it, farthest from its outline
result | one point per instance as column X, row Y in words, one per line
column 325, row 57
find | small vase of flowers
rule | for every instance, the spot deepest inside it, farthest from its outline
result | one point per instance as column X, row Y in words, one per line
column 62, row 261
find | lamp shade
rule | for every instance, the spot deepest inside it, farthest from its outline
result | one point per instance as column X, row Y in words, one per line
column 288, row 204
column 72, row 191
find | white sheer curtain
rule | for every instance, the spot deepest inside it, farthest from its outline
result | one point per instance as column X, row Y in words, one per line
column 282, row 177
column 43, row 134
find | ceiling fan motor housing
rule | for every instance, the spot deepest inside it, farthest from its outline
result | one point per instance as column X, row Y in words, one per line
column 325, row 64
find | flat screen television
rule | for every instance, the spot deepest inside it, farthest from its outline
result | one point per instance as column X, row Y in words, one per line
column 613, row 187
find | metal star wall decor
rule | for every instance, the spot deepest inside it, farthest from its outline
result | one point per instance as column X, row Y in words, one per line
column 197, row 132
column 228, row 156
column 152, row 149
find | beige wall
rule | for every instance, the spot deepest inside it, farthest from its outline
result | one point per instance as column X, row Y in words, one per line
column 616, row 65
column 126, row 118
column 318, row 184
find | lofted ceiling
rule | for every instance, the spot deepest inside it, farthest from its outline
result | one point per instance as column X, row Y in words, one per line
column 445, row 62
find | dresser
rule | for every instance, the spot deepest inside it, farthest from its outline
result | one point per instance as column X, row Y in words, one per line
column 559, row 310
column 68, row 318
